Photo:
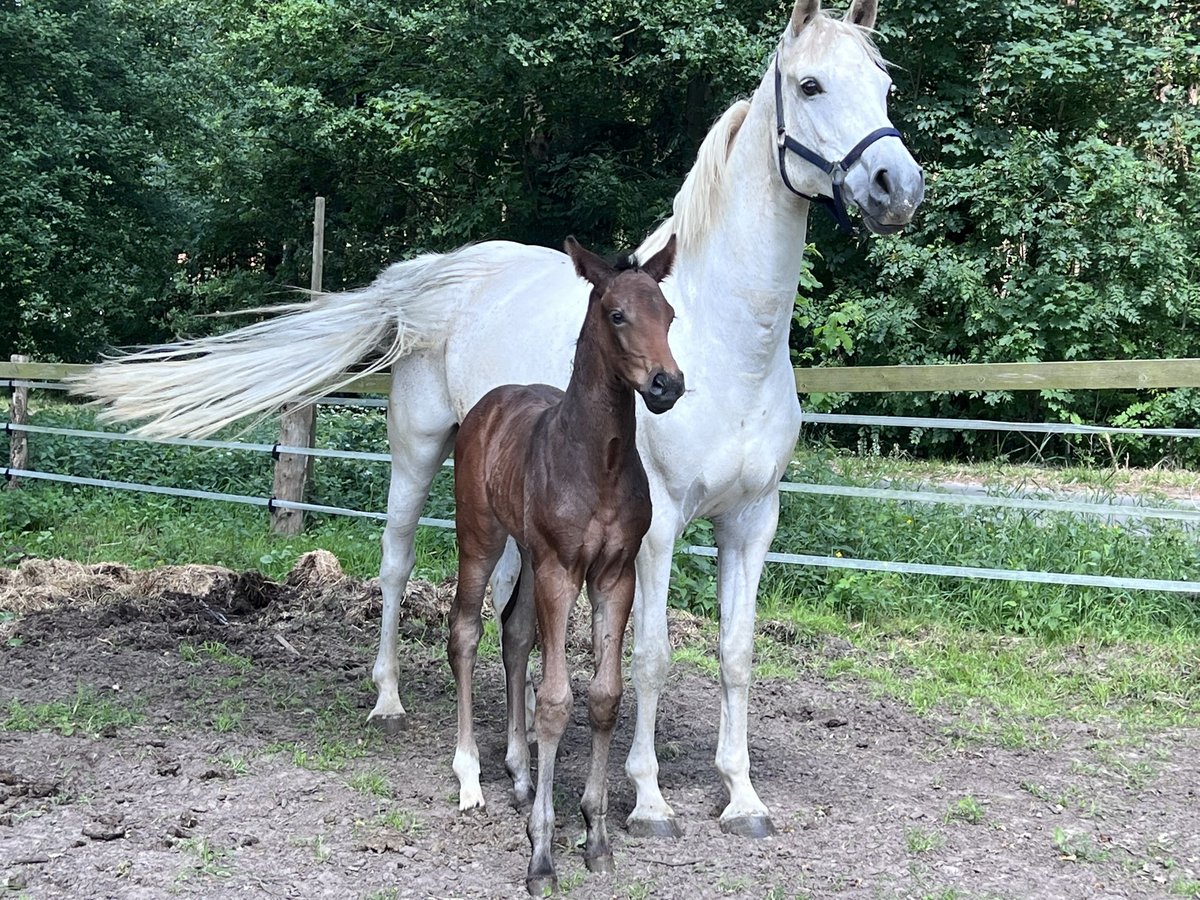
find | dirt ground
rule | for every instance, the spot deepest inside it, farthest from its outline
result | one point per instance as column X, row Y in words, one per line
column 196, row 732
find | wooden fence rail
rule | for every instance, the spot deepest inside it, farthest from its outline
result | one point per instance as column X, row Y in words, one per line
column 1044, row 376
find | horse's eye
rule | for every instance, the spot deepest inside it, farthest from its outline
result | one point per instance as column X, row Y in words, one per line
column 811, row 87
column 617, row 317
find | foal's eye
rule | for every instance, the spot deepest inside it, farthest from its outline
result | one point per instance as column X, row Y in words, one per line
column 811, row 87
column 617, row 317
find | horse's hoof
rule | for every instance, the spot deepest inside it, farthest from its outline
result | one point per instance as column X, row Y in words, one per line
column 749, row 826
column 654, row 828
column 542, row 885
column 389, row 725
column 599, row 865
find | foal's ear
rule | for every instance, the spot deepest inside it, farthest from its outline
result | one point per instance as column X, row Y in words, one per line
column 802, row 13
column 660, row 264
column 862, row 12
column 588, row 265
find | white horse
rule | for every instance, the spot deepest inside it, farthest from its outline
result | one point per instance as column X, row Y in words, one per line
column 454, row 326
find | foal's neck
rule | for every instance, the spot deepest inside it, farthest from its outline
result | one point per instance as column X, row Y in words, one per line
column 598, row 413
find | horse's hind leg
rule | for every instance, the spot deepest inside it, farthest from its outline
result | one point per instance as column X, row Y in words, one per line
column 611, row 599
column 516, row 634
column 421, row 434
column 480, row 543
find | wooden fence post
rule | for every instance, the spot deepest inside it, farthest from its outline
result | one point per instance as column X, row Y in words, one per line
column 297, row 424
column 18, row 442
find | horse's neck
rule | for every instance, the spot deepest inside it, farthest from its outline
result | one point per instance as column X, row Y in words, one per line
column 597, row 414
column 741, row 278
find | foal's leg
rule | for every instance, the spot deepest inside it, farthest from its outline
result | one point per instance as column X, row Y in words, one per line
column 504, row 581
column 421, row 434
column 480, row 543
column 742, row 537
column 612, row 598
column 554, row 594
column 516, row 637
column 651, row 816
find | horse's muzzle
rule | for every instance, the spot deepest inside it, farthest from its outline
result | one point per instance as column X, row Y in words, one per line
column 662, row 390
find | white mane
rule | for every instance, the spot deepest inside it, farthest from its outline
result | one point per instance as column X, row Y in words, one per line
column 700, row 199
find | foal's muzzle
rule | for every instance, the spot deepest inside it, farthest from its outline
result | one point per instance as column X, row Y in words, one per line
column 662, row 390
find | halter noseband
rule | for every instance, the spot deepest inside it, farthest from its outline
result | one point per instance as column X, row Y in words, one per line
column 835, row 205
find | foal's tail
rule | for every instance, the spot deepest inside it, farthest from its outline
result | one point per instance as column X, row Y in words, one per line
column 196, row 387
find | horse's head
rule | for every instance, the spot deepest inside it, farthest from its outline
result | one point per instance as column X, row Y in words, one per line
column 835, row 143
column 628, row 317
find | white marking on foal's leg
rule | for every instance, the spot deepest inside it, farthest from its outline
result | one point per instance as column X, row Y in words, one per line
column 466, row 767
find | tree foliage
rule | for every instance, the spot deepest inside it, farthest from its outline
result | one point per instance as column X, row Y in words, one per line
column 161, row 159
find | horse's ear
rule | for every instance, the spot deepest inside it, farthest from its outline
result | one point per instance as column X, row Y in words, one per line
column 660, row 264
column 588, row 265
column 863, row 12
column 803, row 13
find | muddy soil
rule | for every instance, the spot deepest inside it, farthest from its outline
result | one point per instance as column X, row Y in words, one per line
column 197, row 732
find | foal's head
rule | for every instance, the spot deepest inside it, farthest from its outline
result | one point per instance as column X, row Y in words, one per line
column 628, row 318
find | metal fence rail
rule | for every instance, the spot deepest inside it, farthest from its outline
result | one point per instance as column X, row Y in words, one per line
column 1186, row 514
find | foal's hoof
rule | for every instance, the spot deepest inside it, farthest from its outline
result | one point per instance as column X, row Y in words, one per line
column 542, row 885
column 599, row 865
column 654, row 828
column 749, row 826
column 389, row 725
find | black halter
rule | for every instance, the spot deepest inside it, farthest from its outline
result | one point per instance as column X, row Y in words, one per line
column 835, row 205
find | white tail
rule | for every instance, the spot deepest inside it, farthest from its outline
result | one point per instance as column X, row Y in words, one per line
column 196, row 387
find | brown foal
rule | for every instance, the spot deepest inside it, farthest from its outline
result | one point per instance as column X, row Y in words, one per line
column 560, row 473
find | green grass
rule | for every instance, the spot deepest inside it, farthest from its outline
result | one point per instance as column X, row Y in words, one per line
column 211, row 860
column 86, row 713
column 372, row 783
column 402, row 821
column 1003, row 657
column 918, row 840
column 966, row 809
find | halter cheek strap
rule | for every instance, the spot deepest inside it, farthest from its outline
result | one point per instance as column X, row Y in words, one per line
column 836, row 204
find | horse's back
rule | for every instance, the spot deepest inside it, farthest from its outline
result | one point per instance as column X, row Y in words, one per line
column 519, row 326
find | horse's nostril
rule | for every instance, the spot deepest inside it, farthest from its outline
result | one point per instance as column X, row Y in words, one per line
column 881, row 179
column 659, row 383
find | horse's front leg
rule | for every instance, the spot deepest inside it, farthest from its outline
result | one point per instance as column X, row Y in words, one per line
column 611, row 595
column 554, row 595
column 742, row 538
column 651, row 816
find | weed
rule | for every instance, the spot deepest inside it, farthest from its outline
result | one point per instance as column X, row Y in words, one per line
column 967, row 809
column 209, row 859
column 639, row 890
column 728, row 885
column 228, row 716
column 1078, row 847
column 373, row 783
column 237, row 765
column 917, row 840
column 321, row 850
column 568, row 883
column 402, row 821
column 1185, row 887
